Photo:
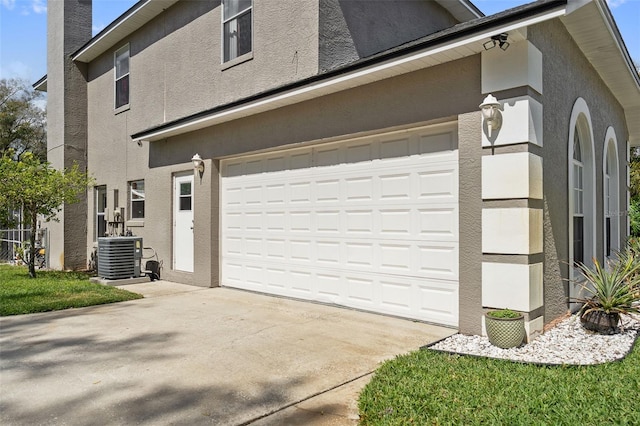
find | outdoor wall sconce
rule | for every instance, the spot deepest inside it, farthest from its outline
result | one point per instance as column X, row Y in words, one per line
column 491, row 114
column 198, row 164
column 497, row 40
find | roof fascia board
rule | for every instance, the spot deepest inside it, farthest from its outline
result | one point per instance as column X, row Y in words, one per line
column 462, row 10
column 285, row 94
column 130, row 21
column 78, row 56
column 40, row 85
column 617, row 37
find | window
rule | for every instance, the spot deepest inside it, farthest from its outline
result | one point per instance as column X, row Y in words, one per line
column 185, row 197
column 236, row 28
column 122, row 76
column 581, row 194
column 136, row 197
column 578, row 200
column 611, row 188
column 101, row 209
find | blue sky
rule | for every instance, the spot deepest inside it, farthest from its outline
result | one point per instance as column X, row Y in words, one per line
column 23, row 29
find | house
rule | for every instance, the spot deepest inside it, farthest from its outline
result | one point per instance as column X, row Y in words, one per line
column 345, row 156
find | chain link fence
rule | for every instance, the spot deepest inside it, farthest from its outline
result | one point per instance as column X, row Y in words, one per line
column 14, row 246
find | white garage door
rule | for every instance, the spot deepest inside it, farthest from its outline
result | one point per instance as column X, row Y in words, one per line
column 370, row 223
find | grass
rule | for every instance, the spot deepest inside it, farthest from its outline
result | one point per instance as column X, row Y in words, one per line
column 52, row 291
column 434, row 388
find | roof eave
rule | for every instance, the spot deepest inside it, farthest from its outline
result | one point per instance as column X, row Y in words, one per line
column 129, row 22
column 593, row 28
column 40, row 85
column 387, row 64
column 462, row 10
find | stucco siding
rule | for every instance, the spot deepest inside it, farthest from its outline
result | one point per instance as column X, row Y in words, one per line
column 567, row 75
column 354, row 29
column 176, row 65
column 470, row 153
column 400, row 102
column 69, row 25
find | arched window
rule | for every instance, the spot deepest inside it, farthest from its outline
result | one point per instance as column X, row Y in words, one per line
column 611, row 191
column 578, row 200
column 582, row 230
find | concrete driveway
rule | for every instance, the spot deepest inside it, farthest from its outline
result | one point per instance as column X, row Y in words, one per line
column 189, row 355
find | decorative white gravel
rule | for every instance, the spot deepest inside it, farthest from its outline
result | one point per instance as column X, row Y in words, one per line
column 567, row 343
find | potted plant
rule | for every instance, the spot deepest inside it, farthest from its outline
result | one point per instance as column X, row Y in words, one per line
column 505, row 328
column 611, row 291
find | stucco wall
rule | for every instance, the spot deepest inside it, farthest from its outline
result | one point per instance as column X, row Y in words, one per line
column 176, row 70
column 568, row 75
column 402, row 101
column 69, row 26
column 176, row 66
column 354, row 29
column 470, row 192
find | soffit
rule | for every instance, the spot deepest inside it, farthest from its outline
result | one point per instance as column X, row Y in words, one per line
column 132, row 20
column 593, row 28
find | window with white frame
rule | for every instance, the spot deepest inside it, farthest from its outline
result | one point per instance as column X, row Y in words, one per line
column 611, row 195
column 236, row 28
column 136, row 197
column 578, row 200
column 121, row 65
column 101, row 209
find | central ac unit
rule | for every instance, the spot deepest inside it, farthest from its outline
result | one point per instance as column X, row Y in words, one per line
column 119, row 257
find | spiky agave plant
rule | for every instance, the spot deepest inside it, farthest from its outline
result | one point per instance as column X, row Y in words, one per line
column 613, row 289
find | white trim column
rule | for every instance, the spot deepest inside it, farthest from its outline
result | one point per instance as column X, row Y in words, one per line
column 512, row 185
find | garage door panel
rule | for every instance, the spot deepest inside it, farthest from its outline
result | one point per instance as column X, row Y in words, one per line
column 370, row 223
column 396, row 295
column 438, row 224
column 438, row 147
column 438, row 184
column 395, row 149
column 439, row 301
column 327, row 191
column 328, row 253
column 395, row 187
column 359, row 222
column 301, row 283
column 359, row 255
column 328, row 222
column 438, row 261
column 329, row 287
column 360, row 152
column 361, row 291
column 358, row 189
column 395, row 223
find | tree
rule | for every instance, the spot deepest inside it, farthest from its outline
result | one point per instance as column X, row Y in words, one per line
column 22, row 121
column 39, row 189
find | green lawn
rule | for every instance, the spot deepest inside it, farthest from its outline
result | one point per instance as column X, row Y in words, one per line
column 434, row 388
column 52, row 291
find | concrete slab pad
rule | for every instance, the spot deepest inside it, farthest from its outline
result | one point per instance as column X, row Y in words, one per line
column 193, row 355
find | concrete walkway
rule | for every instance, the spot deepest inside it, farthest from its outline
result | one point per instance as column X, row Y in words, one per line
column 189, row 355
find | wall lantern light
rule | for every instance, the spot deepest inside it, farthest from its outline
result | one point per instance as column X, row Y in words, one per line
column 490, row 108
column 497, row 40
column 198, row 164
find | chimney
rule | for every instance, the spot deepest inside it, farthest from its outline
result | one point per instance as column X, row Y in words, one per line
column 68, row 29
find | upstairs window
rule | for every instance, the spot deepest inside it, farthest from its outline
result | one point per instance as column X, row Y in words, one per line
column 236, row 28
column 122, row 76
column 136, row 195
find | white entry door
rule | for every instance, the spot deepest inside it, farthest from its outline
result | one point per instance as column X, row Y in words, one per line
column 183, row 223
column 370, row 223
